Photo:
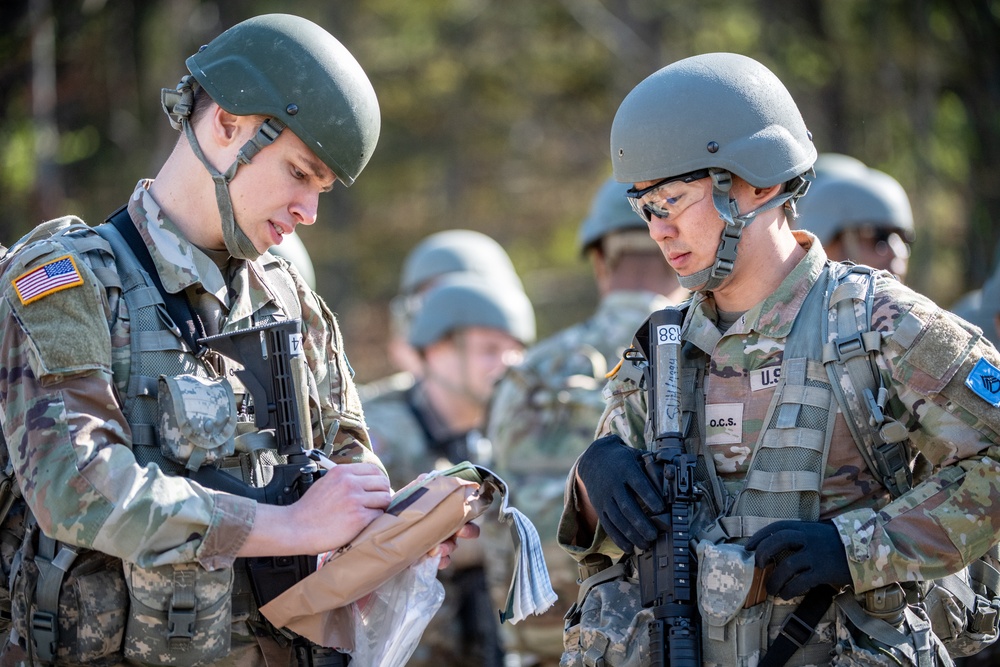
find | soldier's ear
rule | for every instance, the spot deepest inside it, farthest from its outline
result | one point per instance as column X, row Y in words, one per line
column 228, row 129
column 763, row 195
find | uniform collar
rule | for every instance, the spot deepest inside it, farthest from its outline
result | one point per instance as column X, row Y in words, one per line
column 774, row 316
column 179, row 262
column 182, row 264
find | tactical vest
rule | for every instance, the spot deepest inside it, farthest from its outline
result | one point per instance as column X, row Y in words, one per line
column 820, row 374
column 192, row 632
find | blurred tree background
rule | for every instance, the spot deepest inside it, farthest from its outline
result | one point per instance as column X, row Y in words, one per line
column 496, row 116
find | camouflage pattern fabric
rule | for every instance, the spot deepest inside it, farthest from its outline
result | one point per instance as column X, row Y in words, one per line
column 152, row 593
column 950, row 518
column 69, row 442
column 542, row 416
column 410, row 439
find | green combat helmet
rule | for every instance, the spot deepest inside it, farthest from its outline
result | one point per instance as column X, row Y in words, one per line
column 294, row 250
column 463, row 301
column 609, row 212
column 297, row 75
column 720, row 112
column 441, row 254
column 848, row 198
column 456, row 251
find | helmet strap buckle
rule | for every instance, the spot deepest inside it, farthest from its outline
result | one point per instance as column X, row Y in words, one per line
column 265, row 136
column 178, row 103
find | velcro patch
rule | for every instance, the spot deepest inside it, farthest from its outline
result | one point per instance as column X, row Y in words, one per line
column 765, row 378
column 49, row 278
column 724, row 423
column 984, row 381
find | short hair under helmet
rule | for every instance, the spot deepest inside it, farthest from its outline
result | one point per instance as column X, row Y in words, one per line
column 289, row 68
column 720, row 110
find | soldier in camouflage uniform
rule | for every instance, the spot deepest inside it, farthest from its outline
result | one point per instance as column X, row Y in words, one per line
column 126, row 558
column 545, row 409
column 784, row 483
column 440, row 254
column 466, row 332
column 859, row 214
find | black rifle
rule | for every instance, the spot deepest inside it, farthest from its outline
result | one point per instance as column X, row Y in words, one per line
column 273, row 373
column 666, row 576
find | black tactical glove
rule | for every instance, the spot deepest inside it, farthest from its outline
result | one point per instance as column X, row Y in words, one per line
column 616, row 483
column 806, row 554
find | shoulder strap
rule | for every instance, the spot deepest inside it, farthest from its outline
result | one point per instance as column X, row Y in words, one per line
column 177, row 305
column 850, row 351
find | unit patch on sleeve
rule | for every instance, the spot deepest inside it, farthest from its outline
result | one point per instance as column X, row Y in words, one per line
column 51, row 277
column 984, row 381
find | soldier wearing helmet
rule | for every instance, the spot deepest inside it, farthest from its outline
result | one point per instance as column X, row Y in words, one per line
column 544, row 409
column 466, row 332
column 115, row 399
column 796, row 375
column 859, row 214
column 442, row 254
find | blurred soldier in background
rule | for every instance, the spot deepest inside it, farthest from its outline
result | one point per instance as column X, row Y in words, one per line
column 466, row 332
column 442, row 253
column 859, row 214
column 545, row 410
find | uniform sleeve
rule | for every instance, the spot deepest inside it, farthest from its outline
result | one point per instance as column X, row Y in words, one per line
column 624, row 416
column 935, row 366
column 68, row 441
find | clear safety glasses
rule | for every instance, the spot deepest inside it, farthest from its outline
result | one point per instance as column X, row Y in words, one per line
column 668, row 197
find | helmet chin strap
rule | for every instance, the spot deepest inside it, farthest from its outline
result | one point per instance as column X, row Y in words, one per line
column 178, row 104
column 712, row 277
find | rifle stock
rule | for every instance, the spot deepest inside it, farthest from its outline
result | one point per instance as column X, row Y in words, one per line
column 273, row 372
column 272, row 358
column 666, row 570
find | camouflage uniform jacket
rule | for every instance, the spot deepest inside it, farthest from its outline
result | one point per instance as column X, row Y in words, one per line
column 68, row 439
column 542, row 416
column 947, row 520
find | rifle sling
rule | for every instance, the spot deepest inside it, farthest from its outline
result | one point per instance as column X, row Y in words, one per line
column 177, row 305
column 799, row 627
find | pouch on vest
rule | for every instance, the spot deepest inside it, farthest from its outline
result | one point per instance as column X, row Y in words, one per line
column 894, row 633
column 198, row 419
column 87, row 624
column 608, row 626
column 180, row 614
column 964, row 608
column 731, row 633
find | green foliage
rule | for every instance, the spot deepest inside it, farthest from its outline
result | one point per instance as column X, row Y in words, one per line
column 496, row 116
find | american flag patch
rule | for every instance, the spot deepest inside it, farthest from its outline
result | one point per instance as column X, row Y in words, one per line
column 59, row 274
